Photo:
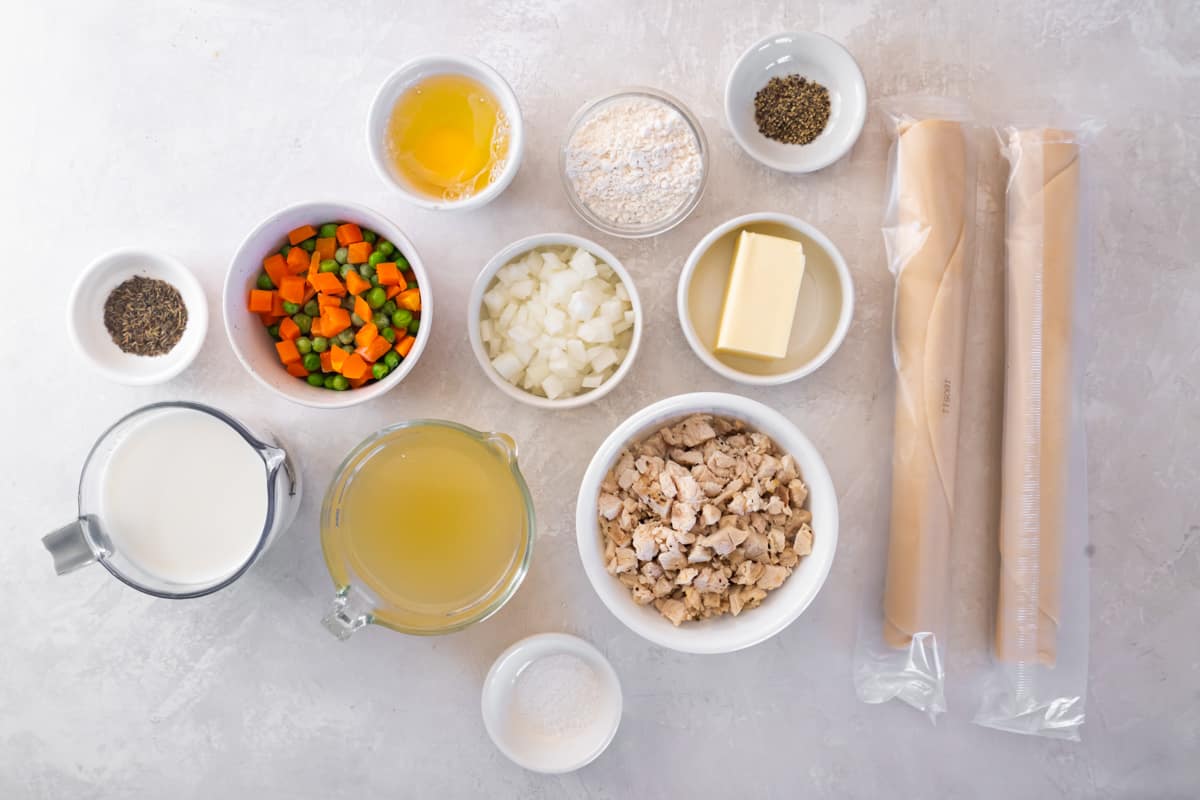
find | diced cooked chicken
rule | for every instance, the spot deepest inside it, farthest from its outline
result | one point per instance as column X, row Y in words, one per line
column 804, row 541
column 623, row 560
column 699, row 554
column 711, row 580
column 756, row 546
column 772, row 577
column 797, row 493
column 775, row 505
column 673, row 610
column 644, row 544
column 688, row 457
column 672, row 559
column 788, row 558
column 609, row 505
column 696, row 430
column 683, row 516
column 748, row 573
column 709, row 515
column 776, row 541
column 642, row 596
column 663, row 587
column 686, row 576
column 652, row 570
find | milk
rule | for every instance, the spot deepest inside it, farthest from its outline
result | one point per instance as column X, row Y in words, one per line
column 184, row 497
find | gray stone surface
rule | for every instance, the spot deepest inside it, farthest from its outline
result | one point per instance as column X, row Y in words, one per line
column 179, row 127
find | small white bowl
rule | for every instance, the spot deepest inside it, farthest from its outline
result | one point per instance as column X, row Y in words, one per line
column 483, row 283
column 824, row 309
column 535, row 753
column 250, row 340
column 818, row 58
column 424, row 67
column 726, row 633
column 85, row 316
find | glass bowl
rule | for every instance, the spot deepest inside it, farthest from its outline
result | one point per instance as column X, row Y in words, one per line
column 650, row 228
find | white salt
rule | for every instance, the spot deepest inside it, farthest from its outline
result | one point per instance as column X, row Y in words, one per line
column 556, row 696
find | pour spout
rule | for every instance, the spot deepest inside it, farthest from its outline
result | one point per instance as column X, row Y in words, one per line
column 505, row 444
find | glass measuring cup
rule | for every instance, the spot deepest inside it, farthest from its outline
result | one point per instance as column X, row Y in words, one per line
column 90, row 538
column 378, row 564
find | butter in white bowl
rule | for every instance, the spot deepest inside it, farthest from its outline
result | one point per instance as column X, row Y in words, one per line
column 761, row 296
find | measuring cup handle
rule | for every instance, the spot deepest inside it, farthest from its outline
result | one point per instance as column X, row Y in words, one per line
column 69, row 547
column 351, row 611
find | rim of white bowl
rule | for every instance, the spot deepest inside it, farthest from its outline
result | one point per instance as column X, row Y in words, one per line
column 406, row 74
column 859, row 110
column 845, row 313
column 179, row 357
column 541, row 645
column 505, row 256
column 380, row 224
column 587, row 530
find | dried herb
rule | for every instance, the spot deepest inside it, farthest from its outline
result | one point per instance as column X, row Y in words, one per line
column 145, row 316
column 792, row 110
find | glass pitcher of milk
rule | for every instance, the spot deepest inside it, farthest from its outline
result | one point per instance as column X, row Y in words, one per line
column 178, row 500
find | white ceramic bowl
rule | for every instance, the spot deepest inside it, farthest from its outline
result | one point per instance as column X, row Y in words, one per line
column 483, row 283
column 85, row 316
column 818, row 58
column 825, row 306
column 781, row 607
column 563, row 754
column 254, row 347
column 416, row 70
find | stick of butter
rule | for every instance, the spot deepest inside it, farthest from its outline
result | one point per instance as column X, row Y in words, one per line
column 760, row 299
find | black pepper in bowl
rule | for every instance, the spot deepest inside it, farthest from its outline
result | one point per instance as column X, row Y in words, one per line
column 145, row 316
column 792, row 109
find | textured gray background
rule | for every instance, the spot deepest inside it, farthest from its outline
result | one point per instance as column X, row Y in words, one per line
column 180, row 127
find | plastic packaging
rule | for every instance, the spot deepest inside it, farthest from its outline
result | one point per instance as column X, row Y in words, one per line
column 928, row 231
column 1039, row 677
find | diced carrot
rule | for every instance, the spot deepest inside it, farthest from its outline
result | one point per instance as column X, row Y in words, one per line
column 327, row 359
column 277, row 306
column 348, row 234
column 328, row 283
column 375, row 349
column 392, row 291
column 260, row 301
column 309, row 292
column 410, row 299
column 358, row 253
column 300, row 234
column 288, row 353
column 389, row 274
column 366, row 334
column 268, row 319
column 292, row 289
column 334, row 320
column 404, row 346
column 337, row 358
column 326, row 247
column 356, row 284
column 355, row 366
column 362, row 309
column 314, row 266
column 357, row 382
column 289, row 329
column 297, row 369
column 297, row 261
column 328, row 300
column 315, row 329
column 275, row 267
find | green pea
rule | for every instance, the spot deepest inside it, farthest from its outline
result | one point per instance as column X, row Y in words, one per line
column 388, row 333
column 402, row 264
column 328, row 381
column 304, row 345
column 357, row 321
column 329, row 265
column 264, row 281
column 348, row 302
column 367, row 270
column 308, row 245
column 376, row 297
column 346, row 270
column 346, row 336
column 386, row 248
column 290, row 308
column 316, row 379
column 380, row 371
column 303, row 322
column 340, row 384
column 320, row 344
column 414, row 326
column 329, row 229
column 369, row 236
column 401, row 318
column 312, row 362
column 312, row 308
column 392, row 359
column 375, row 258
column 375, row 282
column 389, row 307
column 341, row 254
column 283, row 251
column 274, row 331
column 346, row 347
column 380, row 319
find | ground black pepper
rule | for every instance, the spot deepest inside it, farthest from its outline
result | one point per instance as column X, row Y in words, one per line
column 792, row 110
column 145, row 316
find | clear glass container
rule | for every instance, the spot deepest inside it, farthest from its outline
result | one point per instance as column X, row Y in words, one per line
column 365, row 584
column 654, row 227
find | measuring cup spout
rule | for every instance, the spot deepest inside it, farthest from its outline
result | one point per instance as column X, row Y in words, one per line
column 69, row 547
column 505, row 444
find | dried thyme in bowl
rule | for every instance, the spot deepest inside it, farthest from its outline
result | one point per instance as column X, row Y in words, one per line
column 145, row 316
column 792, row 110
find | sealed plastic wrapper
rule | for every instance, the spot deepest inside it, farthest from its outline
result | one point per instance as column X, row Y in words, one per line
column 1039, row 678
column 928, row 231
